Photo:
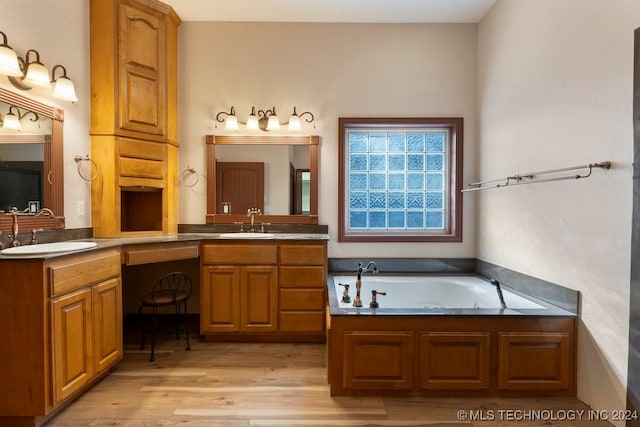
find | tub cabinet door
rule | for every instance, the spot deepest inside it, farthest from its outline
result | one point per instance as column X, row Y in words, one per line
column 534, row 361
column 454, row 360
column 378, row 360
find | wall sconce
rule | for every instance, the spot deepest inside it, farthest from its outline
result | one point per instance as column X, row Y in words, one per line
column 27, row 73
column 265, row 120
column 12, row 121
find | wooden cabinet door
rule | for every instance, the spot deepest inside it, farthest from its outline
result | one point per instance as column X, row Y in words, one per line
column 71, row 343
column 219, row 299
column 107, row 323
column 259, row 292
column 378, row 360
column 142, row 70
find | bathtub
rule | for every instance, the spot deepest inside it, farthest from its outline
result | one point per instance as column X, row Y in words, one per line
column 438, row 335
column 430, row 292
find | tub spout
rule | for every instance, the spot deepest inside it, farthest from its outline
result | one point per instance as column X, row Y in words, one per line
column 371, row 264
column 495, row 283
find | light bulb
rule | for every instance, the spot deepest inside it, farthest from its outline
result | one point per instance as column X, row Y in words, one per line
column 64, row 89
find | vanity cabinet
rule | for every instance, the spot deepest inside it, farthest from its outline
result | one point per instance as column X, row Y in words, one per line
column 64, row 330
column 134, row 126
column 270, row 290
column 302, row 287
column 239, row 288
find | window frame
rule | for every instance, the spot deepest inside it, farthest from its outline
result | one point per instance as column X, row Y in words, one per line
column 455, row 127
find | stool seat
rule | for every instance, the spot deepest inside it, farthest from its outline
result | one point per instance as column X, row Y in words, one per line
column 171, row 289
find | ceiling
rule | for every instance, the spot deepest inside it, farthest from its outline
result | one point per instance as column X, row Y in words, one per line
column 391, row 11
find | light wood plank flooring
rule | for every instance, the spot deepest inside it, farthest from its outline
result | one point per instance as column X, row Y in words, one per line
column 273, row 384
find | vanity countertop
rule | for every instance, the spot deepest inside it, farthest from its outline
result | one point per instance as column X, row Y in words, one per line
column 103, row 243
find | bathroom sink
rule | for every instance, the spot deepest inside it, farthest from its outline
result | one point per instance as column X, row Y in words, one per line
column 247, row 235
column 48, row 248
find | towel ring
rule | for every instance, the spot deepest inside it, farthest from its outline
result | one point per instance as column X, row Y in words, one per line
column 189, row 171
column 79, row 160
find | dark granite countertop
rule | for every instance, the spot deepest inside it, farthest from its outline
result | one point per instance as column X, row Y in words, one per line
column 103, row 243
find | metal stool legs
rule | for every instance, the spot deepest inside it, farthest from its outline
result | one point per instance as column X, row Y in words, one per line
column 172, row 289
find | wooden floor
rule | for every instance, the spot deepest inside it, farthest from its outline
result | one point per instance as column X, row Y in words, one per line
column 274, row 384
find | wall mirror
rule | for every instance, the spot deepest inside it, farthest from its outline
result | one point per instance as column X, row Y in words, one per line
column 276, row 174
column 31, row 163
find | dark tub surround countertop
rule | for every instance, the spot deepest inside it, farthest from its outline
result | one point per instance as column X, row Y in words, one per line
column 335, row 310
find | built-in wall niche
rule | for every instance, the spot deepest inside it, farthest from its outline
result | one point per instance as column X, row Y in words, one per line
column 141, row 209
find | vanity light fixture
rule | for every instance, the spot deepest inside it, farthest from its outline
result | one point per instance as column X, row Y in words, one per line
column 36, row 74
column 12, row 121
column 63, row 87
column 29, row 72
column 9, row 65
column 265, row 120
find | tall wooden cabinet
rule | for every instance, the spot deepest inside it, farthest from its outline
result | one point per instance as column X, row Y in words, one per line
column 134, row 124
column 63, row 330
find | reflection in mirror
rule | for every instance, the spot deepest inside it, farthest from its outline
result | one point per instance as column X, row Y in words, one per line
column 301, row 203
column 276, row 174
column 30, row 162
column 262, row 176
column 22, row 158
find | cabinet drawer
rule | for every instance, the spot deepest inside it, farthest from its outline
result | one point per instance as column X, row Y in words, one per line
column 158, row 252
column 302, row 254
column 305, row 277
column 239, row 254
column 141, row 150
column 141, row 168
column 82, row 270
column 301, row 321
column 301, row 299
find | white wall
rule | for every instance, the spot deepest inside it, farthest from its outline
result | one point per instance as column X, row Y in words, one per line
column 333, row 70
column 555, row 80
column 59, row 31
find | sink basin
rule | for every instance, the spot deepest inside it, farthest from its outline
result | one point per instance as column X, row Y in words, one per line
column 247, row 235
column 48, row 248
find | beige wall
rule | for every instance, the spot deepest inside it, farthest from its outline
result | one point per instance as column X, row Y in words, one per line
column 555, row 82
column 59, row 31
column 333, row 70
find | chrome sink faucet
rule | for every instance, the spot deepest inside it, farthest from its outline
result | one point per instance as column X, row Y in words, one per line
column 252, row 212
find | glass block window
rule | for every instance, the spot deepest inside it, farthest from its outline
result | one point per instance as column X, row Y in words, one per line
column 399, row 179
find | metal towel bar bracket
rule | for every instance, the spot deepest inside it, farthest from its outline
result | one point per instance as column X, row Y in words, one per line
column 533, row 177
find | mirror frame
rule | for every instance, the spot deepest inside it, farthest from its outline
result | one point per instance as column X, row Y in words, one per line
column 53, row 193
column 214, row 217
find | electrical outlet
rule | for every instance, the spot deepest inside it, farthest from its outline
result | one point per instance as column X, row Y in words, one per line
column 80, row 208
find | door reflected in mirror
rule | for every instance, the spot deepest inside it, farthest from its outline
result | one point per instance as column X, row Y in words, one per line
column 260, row 176
column 276, row 174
